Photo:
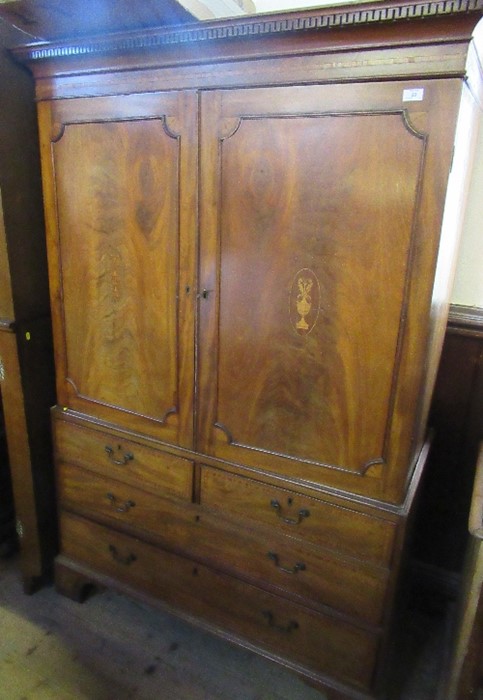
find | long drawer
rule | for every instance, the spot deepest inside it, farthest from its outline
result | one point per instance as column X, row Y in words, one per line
column 264, row 557
column 124, row 459
column 316, row 641
column 335, row 527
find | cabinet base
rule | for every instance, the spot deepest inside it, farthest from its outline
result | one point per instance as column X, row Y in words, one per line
column 73, row 583
column 78, row 582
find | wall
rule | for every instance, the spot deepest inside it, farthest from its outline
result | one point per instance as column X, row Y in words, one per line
column 280, row 5
column 468, row 285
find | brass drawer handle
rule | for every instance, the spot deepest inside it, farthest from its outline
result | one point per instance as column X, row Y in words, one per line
column 300, row 566
column 303, row 513
column 126, row 457
column 126, row 560
column 123, row 507
column 289, row 627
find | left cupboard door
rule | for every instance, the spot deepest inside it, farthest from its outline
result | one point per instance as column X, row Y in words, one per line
column 120, row 195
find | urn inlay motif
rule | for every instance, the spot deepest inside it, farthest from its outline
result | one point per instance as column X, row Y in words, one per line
column 304, row 301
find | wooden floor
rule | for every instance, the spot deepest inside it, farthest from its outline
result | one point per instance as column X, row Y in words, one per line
column 113, row 648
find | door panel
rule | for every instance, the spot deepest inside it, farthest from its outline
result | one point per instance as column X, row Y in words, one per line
column 309, row 245
column 124, row 236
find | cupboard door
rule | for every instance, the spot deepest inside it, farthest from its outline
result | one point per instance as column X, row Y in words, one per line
column 320, row 217
column 121, row 207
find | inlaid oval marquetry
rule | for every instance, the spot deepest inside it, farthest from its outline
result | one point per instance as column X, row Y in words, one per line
column 304, row 301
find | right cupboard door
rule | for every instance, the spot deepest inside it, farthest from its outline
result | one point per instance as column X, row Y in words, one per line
column 321, row 208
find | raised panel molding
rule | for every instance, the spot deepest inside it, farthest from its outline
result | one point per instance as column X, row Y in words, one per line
column 236, row 127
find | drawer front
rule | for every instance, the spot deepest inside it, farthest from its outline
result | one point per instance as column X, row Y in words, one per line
column 100, row 497
column 328, row 525
column 316, row 576
column 263, row 557
column 315, row 641
column 123, row 459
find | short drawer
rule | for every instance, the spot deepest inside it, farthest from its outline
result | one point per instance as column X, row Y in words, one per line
column 124, row 459
column 286, row 630
column 267, row 559
column 105, row 498
column 328, row 525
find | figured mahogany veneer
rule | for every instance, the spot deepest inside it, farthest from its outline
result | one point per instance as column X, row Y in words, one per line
column 246, row 228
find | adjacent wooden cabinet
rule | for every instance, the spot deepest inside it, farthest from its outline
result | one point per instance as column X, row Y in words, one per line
column 27, row 388
column 251, row 234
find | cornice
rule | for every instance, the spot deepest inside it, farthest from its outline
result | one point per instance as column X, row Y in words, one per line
column 244, row 28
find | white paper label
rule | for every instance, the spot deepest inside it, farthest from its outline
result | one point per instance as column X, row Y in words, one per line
column 413, row 95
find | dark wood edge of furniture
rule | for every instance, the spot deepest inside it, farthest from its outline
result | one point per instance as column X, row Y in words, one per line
column 475, row 521
column 465, row 320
